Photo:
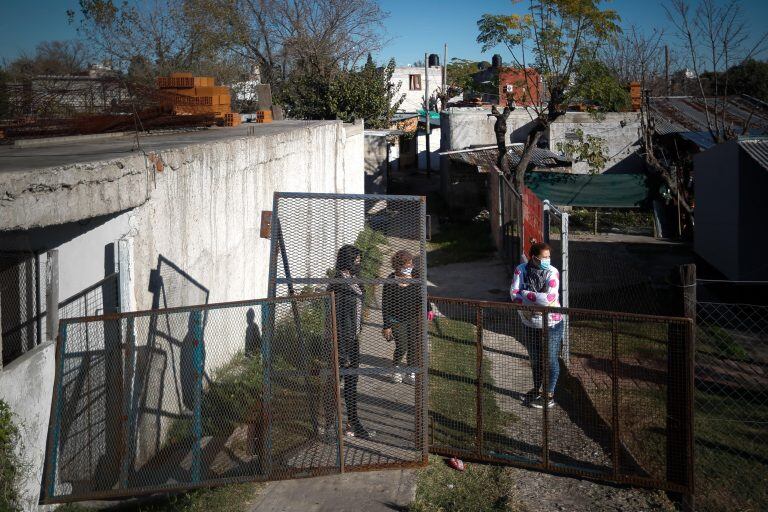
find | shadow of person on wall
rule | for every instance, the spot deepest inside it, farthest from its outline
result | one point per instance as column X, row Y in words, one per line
column 188, row 365
column 252, row 335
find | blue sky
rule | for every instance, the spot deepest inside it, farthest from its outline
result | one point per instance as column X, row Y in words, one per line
column 413, row 28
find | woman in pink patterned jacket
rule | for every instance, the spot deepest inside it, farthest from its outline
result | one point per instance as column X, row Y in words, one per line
column 537, row 283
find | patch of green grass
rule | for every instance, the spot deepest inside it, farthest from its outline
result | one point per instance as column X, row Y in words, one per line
column 611, row 220
column 230, row 498
column 10, row 464
column 731, row 452
column 713, row 339
column 479, row 488
column 453, row 389
column 731, row 457
column 460, row 242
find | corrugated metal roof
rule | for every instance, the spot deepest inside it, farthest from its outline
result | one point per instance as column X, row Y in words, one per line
column 687, row 116
column 757, row 149
column 486, row 157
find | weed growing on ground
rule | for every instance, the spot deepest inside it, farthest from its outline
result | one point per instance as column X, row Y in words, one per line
column 10, row 464
column 480, row 488
column 460, row 242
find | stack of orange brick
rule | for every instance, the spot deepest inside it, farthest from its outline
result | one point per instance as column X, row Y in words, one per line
column 187, row 95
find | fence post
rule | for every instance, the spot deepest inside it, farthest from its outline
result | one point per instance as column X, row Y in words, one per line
column 680, row 388
column 480, row 419
column 52, row 294
column 199, row 363
column 544, row 385
column 615, row 423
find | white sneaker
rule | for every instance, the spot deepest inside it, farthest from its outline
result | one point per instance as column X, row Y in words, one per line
column 397, row 377
column 410, row 378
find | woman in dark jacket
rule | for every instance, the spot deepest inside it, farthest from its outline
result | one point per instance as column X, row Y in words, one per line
column 350, row 298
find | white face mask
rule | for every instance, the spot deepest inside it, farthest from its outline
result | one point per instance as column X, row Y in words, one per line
column 407, row 271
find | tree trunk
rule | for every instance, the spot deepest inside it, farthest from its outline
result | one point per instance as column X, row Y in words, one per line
column 525, row 160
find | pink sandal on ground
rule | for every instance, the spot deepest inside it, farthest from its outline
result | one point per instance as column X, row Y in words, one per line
column 456, row 464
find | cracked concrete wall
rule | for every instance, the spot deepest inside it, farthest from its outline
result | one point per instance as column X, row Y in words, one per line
column 202, row 213
column 57, row 195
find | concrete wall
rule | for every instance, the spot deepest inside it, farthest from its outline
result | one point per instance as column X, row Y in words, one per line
column 376, row 163
column 620, row 130
column 434, row 149
column 25, row 385
column 465, row 127
column 414, row 100
column 197, row 229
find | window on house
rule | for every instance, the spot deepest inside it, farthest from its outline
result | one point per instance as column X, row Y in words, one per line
column 414, row 82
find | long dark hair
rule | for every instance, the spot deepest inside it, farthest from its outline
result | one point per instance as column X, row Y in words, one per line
column 345, row 259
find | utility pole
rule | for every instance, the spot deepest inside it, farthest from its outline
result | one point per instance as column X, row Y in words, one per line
column 445, row 73
column 666, row 69
column 426, row 111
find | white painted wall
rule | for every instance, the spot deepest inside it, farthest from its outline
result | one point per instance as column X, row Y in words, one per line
column 434, row 149
column 414, row 100
column 25, row 385
column 203, row 214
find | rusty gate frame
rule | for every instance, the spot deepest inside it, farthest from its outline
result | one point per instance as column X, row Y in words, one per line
column 50, row 461
column 679, row 401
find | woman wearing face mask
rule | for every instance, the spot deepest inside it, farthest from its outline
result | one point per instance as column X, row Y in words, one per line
column 350, row 298
column 401, row 311
column 536, row 283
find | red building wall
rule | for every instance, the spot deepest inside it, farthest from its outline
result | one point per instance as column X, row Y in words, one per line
column 526, row 90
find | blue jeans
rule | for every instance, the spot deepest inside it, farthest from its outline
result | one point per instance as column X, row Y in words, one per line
column 532, row 342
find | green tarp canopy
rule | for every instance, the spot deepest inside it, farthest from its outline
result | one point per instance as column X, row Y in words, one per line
column 589, row 190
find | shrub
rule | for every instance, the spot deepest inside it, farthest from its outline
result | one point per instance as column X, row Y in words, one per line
column 10, row 464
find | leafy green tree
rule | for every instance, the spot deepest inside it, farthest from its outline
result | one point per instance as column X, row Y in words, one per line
column 552, row 37
column 598, row 87
column 460, row 72
column 367, row 93
column 593, row 151
column 750, row 77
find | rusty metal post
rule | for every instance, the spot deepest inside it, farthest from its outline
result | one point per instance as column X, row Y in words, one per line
column 544, row 384
column 337, row 391
column 479, row 427
column 127, row 419
column 615, row 425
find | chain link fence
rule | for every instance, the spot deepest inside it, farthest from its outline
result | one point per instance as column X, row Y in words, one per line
column 173, row 399
column 21, row 305
column 620, row 410
column 731, row 407
column 370, row 251
column 23, row 302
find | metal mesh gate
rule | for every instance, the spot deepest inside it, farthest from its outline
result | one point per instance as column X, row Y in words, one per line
column 370, row 251
column 621, row 410
column 173, row 399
